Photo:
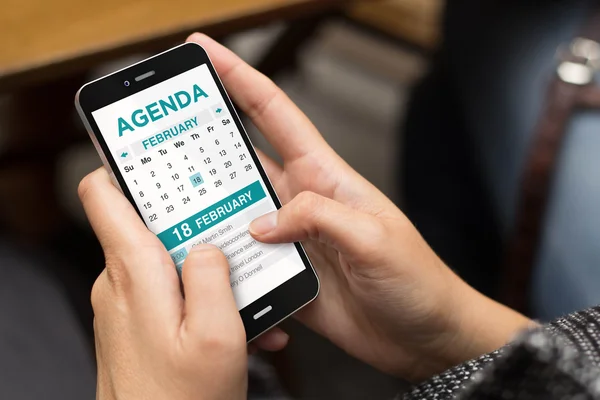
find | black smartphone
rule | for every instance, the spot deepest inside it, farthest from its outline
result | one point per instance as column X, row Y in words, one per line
column 172, row 141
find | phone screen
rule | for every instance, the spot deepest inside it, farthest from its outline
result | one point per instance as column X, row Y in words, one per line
column 194, row 180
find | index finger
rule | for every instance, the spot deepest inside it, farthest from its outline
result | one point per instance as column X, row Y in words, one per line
column 137, row 262
column 113, row 219
column 281, row 122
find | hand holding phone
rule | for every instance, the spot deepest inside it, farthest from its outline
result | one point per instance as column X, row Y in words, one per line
column 148, row 339
column 386, row 298
column 167, row 131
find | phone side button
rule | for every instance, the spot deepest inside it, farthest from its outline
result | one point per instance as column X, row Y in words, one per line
column 262, row 313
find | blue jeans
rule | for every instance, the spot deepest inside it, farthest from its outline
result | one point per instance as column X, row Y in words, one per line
column 502, row 79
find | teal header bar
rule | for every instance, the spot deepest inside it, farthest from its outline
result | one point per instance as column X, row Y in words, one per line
column 212, row 216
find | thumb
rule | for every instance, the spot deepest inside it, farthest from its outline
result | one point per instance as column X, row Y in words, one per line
column 209, row 303
column 311, row 216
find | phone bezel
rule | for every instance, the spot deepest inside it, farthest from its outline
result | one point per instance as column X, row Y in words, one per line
column 287, row 298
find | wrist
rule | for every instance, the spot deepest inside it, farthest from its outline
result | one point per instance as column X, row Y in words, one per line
column 473, row 325
column 481, row 325
column 464, row 326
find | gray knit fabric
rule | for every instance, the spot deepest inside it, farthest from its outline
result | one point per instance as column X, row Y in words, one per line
column 557, row 362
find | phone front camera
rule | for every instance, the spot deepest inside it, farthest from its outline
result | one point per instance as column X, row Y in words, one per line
column 126, row 83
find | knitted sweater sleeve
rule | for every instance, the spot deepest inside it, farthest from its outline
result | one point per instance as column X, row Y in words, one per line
column 558, row 361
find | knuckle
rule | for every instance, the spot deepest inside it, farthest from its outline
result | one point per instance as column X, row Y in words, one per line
column 223, row 342
column 375, row 235
column 116, row 274
column 308, row 203
column 97, row 295
column 305, row 213
column 260, row 106
column 88, row 183
column 121, row 263
column 84, row 187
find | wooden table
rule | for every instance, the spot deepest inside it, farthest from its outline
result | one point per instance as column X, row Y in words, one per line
column 41, row 40
column 414, row 22
column 48, row 46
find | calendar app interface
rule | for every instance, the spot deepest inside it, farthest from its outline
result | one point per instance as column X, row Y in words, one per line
column 193, row 178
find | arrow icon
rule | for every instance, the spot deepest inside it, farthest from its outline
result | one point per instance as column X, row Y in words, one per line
column 218, row 110
column 124, row 155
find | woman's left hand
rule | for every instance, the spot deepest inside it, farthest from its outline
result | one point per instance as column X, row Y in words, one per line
column 150, row 342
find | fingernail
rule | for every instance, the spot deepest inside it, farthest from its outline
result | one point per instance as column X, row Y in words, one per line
column 282, row 337
column 195, row 36
column 264, row 224
column 201, row 248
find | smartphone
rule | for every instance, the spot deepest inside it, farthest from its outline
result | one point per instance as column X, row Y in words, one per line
column 173, row 143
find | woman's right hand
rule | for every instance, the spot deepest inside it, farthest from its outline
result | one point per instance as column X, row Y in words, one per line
column 386, row 298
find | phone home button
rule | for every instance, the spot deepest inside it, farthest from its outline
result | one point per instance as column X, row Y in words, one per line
column 262, row 313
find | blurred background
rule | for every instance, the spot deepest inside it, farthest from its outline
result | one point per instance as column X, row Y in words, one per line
column 479, row 118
